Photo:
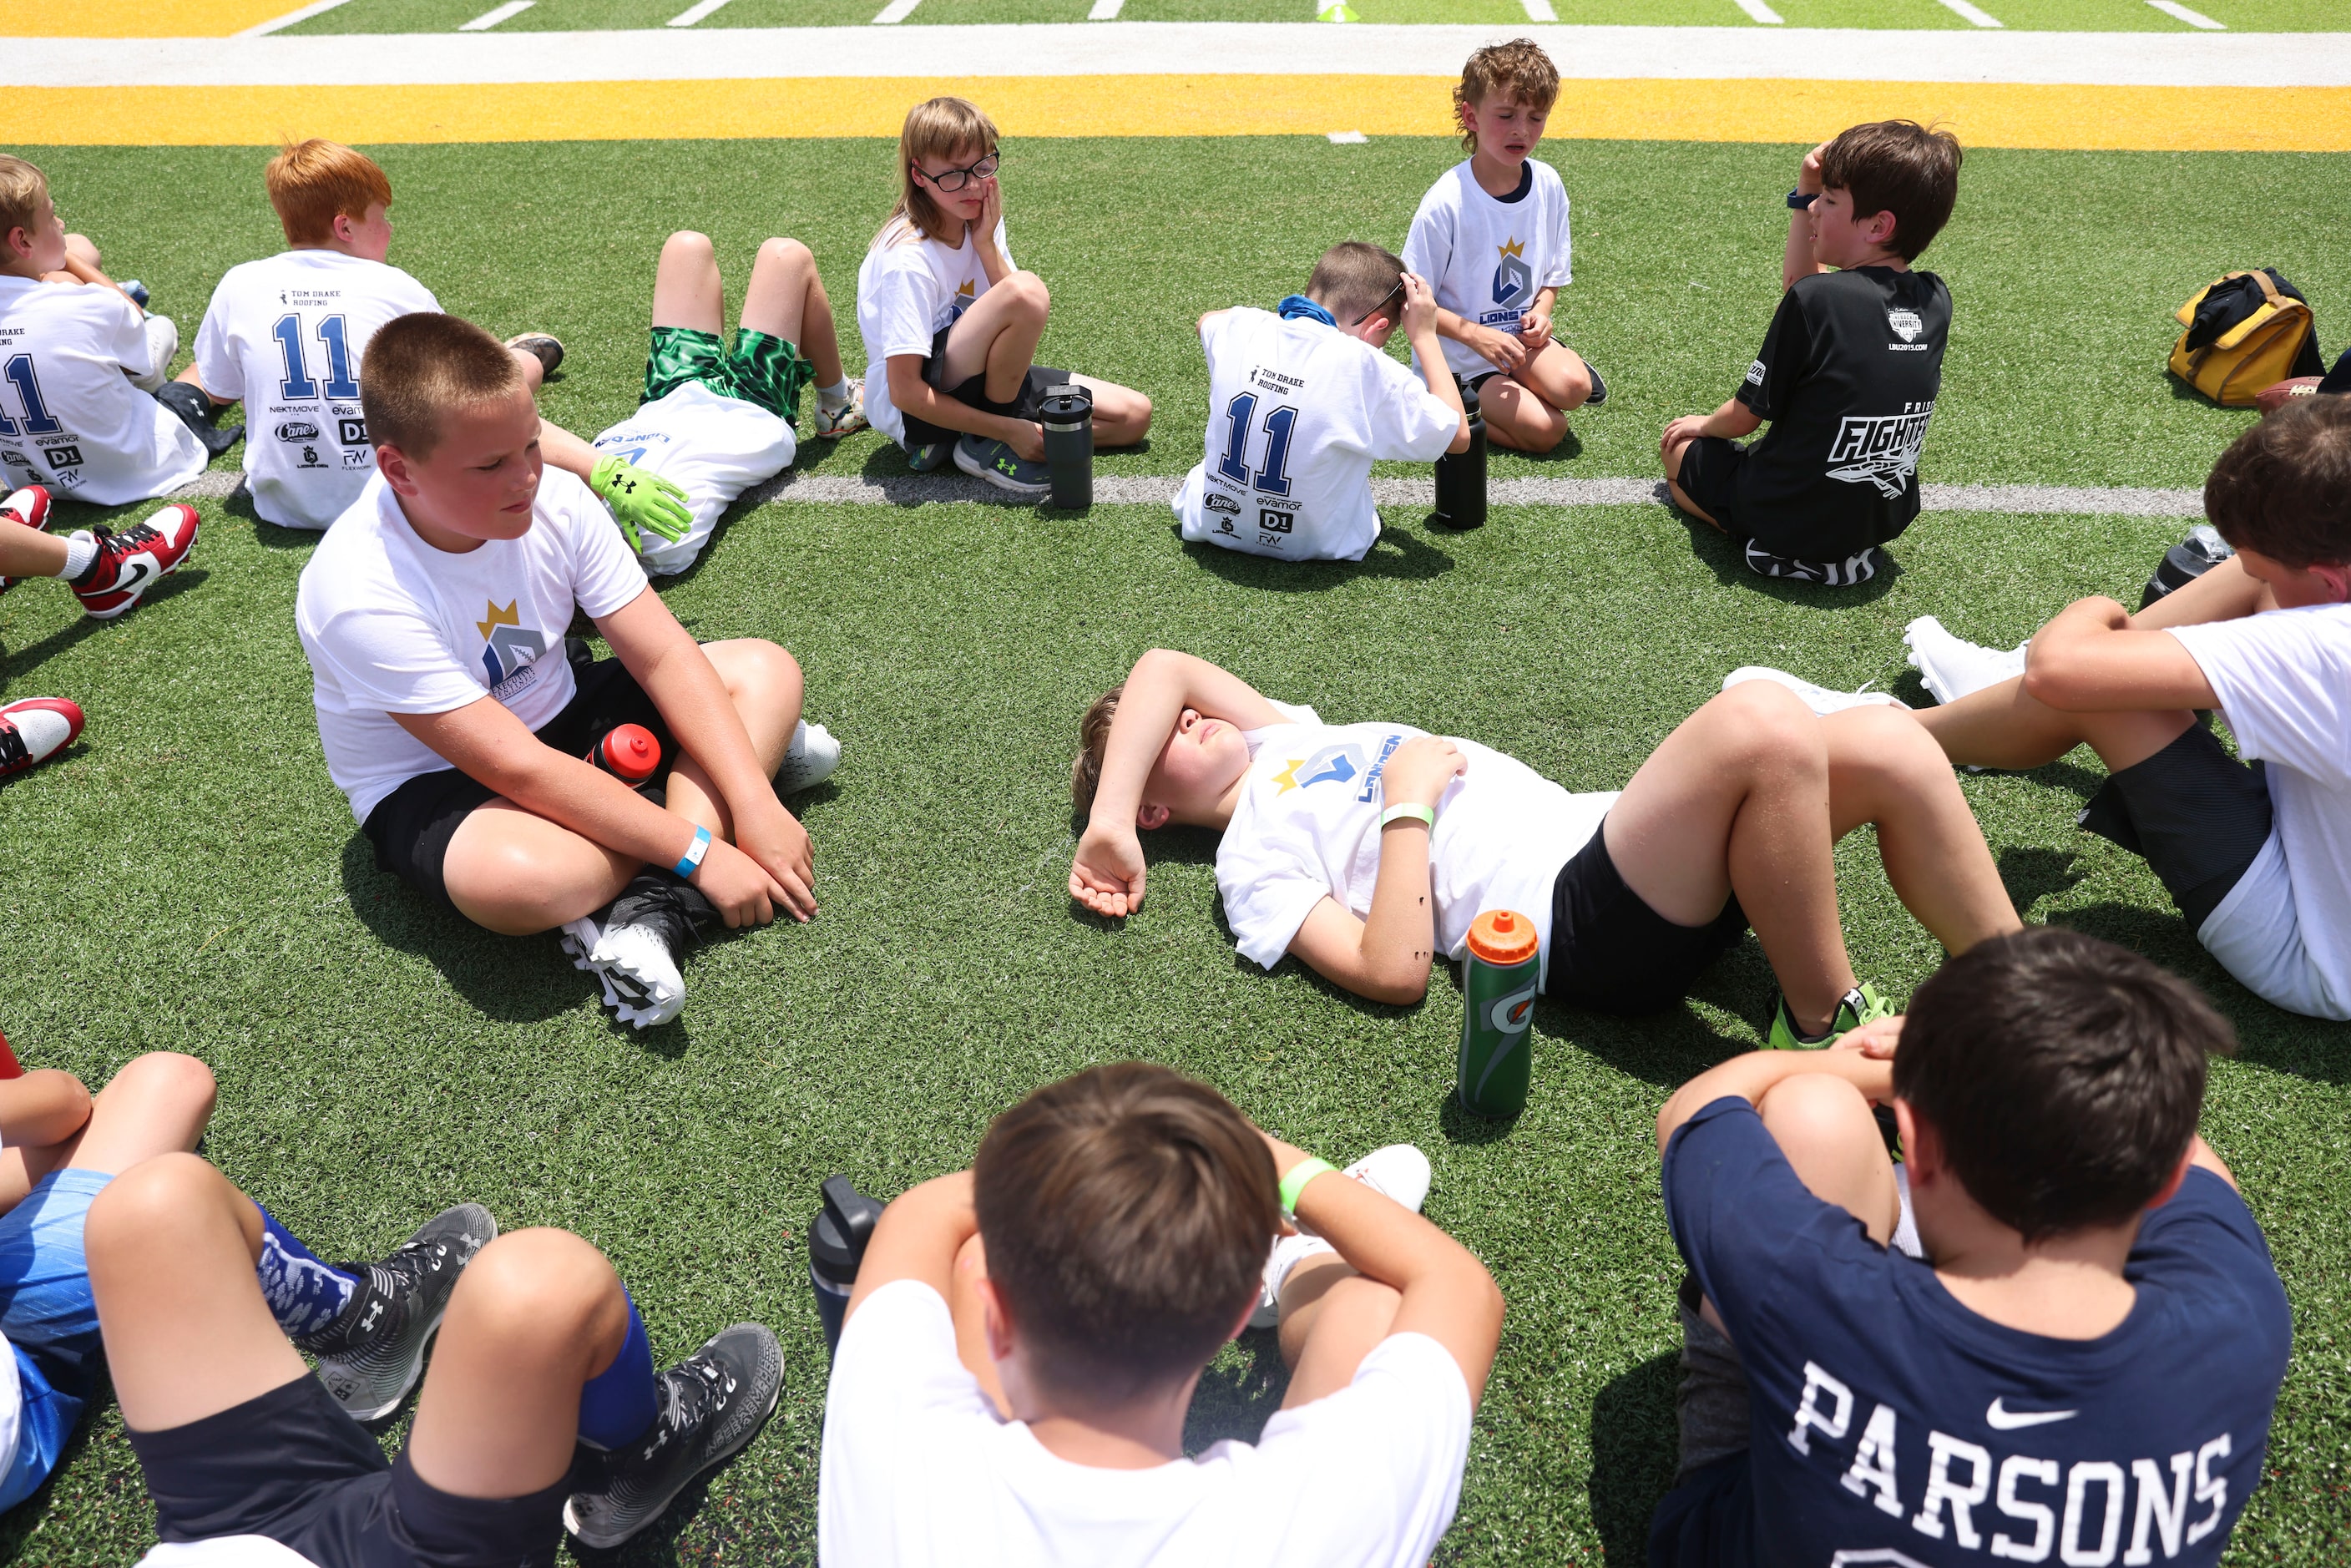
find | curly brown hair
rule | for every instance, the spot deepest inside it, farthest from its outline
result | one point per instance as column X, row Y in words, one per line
column 1094, row 740
column 1518, row 67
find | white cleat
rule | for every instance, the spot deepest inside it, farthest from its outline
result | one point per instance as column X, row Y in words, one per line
column 809, row 760
column 641, row 985
column 1951, row 667
column 1820, row 699
column 1399, row 1172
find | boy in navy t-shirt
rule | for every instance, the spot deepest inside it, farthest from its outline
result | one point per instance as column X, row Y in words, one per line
column 2081, row 1366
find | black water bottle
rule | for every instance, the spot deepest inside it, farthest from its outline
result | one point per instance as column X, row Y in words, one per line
column 1067, row 416
column 1461, row 475
column 837, row 1238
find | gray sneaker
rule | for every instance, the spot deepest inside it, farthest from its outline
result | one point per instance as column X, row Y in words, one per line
column 928, row 456
column 372, row 1354
column 712, row 1404
column 996, row 462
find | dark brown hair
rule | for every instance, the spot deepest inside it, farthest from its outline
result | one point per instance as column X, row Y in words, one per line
column 2283, row 487
column 2062, row 1075
column 421, row 368
column 1354, row 278
column 1094, row 740
column 1127, row 1212
column 1518, row 67
column 1897, row 166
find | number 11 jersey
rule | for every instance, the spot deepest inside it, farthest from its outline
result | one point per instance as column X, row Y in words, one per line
column 287, row 334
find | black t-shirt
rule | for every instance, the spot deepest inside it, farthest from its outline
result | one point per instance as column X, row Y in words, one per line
column 1847, row 376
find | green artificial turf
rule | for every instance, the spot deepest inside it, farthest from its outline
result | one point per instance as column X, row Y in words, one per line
column 187, row 878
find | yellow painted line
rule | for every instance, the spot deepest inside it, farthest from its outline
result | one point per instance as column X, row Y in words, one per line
column 2159, row 119
column 142, row 18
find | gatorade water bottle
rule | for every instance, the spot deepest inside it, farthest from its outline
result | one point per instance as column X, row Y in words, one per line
column 9, row 1066
column 1499, row 977
column 837, row 1238
column 1067, row 416
column 629, row 754
column 1461, row 475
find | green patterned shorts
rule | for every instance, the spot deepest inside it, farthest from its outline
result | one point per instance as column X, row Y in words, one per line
column 760, row 369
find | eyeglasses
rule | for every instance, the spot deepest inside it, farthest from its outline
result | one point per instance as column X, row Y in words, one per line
column 1376, row 310
column 956, row 179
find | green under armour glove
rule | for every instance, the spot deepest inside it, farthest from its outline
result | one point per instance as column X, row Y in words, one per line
column 640, row 500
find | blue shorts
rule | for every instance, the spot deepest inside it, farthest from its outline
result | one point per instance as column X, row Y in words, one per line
column 51, row 1322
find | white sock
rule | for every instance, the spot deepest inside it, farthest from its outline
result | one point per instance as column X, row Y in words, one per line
column 835, row 395
column 81, row 549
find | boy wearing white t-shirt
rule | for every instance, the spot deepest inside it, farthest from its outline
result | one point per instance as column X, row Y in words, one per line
column 455, row 715
column 2256, row 853
column 74, row 356
column 1367, row 850
column 1301, row 401
column 1491, row 237
column 1024, row 1338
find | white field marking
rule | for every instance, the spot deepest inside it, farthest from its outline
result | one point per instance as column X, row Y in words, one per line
column 1104, row 10
column 1349, row 138
column 1737, row 52
column 1540, row 10
column 2193, row 18
column 1762, row 13
column 1974, row 16
column 488, row 19
column 316, row 8
column 695, row 13
column 895, row 12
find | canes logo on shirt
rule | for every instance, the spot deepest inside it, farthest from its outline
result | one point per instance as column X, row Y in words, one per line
column 1514, row 282
column 1880, row 449
column 509, row 649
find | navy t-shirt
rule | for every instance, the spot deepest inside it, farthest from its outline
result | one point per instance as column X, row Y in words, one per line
column 1893, row 1425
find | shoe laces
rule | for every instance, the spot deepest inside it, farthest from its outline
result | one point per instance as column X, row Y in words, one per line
column 691, row 1393
column 14, row 752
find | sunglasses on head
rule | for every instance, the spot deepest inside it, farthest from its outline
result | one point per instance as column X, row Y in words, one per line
column 1376, row 310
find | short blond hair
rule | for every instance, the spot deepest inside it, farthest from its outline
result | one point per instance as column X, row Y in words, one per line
column 22, row 186
column 1520, row 67
column 311, row 184
column 935, row 128
column 422, row 367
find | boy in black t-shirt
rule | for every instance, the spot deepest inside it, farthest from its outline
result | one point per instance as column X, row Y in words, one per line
column 1848, row 372
column 2082, row 1366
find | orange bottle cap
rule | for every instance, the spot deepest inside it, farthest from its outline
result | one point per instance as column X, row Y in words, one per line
column 1503, row 937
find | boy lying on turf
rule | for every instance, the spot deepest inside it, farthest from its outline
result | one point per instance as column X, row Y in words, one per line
column 715, row 418
column 1848, row 373
column 538, row 1351
column 2081, row 1368
column 455, row 714
column 1366, row 850
column 1030, row 1331
column 1301, row 401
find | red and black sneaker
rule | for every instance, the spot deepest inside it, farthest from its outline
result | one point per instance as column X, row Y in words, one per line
column 134, row 561
column 34, row 730
column 30, row 507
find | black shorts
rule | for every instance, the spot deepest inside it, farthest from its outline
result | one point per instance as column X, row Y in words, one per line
column 1611, row 952
column 1708, row 1520
column 1028, row 402
column 2195, row 813
column 410, row 828
column 1709, row 477
column 290, row 1466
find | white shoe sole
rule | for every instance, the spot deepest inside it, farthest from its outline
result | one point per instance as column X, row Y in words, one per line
column 638, row 961
column 1820, row 699
column 1951, row 667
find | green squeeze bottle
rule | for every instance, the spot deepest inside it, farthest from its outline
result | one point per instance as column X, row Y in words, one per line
column 1499, row 979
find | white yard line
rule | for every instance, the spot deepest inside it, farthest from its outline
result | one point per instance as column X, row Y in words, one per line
column 1738, row 52
column 1349, row 138
column 1104, row 10
column 1974, row 16
column 2193, row 18
column 895, row 12
column 1540, row 10
column 488, row 19
column 316, row 8
column 697, row 11
column 1762, row 13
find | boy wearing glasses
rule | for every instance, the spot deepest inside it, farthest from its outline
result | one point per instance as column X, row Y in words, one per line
column 1301, row 401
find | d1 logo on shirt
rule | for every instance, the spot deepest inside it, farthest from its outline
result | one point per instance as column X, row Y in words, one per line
column 1906, row 324
column 1513, row 281
column 509, row 649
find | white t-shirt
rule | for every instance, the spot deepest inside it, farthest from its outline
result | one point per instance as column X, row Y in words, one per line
column 908, row 289
column 1306, row 827
column 12, row 1406
column 224, row 1551
column 2283, row 678
column 69, row 417
column 713, row 446
column 1486, row 260
column 285, row 334
column 391, row 625
column 919, row 1471
column 1297, row 411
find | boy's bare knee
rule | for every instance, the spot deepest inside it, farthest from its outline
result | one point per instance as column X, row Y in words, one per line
column 1815, row 1110
column 154, row 1199
column 171, row 1075
column 1761, row 720
column 539, row 1287
column 789, row 252
column 689, row 243
column 1029, row 292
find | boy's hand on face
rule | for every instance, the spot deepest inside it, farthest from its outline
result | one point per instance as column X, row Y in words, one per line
column 777, row 840
column 1420, row 770
column 1108, row 872
column 1501, row 350
column 1808, row 173
column 991, row 210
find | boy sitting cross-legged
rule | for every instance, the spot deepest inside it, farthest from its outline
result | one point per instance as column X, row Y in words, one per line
column 538, row 1351
column 455, row 716
column 1301, row 401
column 2082, row 1366
column 1848, row 373
column 1367, row 850
column 1025, row 1336
column 715, row 419
column 1491, row 238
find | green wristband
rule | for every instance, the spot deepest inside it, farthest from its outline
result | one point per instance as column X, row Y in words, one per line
column 1415, row 814
column 1295, row 1182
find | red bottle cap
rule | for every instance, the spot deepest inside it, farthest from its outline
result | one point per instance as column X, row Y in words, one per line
column 632, row 752
column 1503, row 937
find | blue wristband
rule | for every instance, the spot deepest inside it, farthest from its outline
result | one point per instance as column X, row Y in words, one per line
column 691, row 861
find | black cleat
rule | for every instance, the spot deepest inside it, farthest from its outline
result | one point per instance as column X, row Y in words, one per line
column 373, row 1353
column 712, row 1404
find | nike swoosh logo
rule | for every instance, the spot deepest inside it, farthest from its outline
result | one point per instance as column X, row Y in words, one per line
column 139, row 569
column 2004, row 1420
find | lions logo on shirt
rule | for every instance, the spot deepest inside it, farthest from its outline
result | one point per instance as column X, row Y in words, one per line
column 1332, row 765
column 1512, row 280
column 509, row 649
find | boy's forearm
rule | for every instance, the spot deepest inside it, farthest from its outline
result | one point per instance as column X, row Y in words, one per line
column 2091, row 659
column 1798, row 261
column 1754, row 1075
column 579, row 796
column 1733, row 420
column 1400, row 937
column 918, row 1237
column 1154, row 697
column 1450, row 325
column 2225, row 593
column 563, row 450
column 1437, row 375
